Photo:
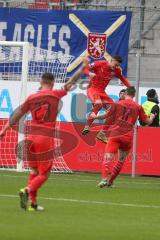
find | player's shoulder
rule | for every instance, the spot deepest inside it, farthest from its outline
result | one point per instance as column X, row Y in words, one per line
column 129, row 102
column 59, row 92
column 31, row 96
column 104, row 62
column 39, row 94
column 122, row 101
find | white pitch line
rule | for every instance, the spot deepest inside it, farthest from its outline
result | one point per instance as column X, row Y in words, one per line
column 88, row 180
column 89, row 202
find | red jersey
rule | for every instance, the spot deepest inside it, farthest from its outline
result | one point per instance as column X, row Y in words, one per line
column 104, row 73
column 133, row 111
column 121, row 118
column 43, row 106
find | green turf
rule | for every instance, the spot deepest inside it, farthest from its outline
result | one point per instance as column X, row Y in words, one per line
column 95, row 214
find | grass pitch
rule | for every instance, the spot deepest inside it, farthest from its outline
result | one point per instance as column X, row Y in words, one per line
column 76, row 209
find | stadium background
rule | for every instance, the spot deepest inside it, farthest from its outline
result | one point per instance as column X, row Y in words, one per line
column 145, row 20
column 144, row 40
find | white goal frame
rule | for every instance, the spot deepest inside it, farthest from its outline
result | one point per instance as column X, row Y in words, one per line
column 24, row 80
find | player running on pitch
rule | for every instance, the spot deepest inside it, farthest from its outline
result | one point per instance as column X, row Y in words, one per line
column 129, row 112
column 100, row 73
column 43, row 106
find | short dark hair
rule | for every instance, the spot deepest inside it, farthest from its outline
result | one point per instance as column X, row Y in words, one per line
column 118, row 58
column 151, row 93
column 47, row 78
column 131, row 91
column 122, row 91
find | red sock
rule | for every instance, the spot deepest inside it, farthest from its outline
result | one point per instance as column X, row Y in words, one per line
column 106, row 166
column 32, row 195
column 96, row 108
column 37, row 182
column 116, row 170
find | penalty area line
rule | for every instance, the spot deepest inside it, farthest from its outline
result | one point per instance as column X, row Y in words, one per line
column 89, row 202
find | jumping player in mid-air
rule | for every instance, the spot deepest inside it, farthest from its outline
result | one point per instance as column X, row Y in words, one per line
column 39, row 144
column 100, row 73
column 122, row 140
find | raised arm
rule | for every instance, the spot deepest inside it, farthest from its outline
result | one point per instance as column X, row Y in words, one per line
column 76, row 75
column 122, row 78
column 93, row 66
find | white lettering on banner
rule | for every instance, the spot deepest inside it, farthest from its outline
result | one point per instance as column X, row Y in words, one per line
column 29, row 33
column 39, row 36
column 64, row 32
column 51, row 41
column 55, row 36
column 3, row 27
column 17, row 32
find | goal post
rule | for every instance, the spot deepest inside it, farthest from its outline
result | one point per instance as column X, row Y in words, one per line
column 21, row 130
column 21, row 65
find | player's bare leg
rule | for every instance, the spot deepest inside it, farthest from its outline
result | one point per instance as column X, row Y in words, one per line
column 106, row 167
column 96, row 108
column 118, row 166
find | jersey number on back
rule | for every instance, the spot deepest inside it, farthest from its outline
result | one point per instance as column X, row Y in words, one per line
column 42, row 111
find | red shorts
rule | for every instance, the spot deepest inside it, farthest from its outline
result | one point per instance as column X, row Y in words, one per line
column 40, row 154
column 123, row 143
column 98, row 95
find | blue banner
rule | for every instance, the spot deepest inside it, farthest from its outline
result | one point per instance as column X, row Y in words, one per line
column 66, row 31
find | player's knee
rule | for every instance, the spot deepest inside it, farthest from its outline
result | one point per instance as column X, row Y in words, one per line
column 34, row 171
column 121, row 159
column 97, row 106
column 108, row 157
column 44, row 177
column 98, row 102
column 122, row 156
column 46, row 174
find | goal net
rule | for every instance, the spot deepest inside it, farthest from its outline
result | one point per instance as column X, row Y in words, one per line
column 21, row 68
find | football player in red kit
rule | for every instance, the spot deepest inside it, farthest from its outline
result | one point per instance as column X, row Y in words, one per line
column 39, row 142
column 129, row 112
column 100, row 73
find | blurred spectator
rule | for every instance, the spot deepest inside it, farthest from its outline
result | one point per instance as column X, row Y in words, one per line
column 151, row 106
column 122, row 94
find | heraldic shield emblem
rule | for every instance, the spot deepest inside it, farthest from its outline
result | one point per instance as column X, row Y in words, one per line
column 96, row 44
